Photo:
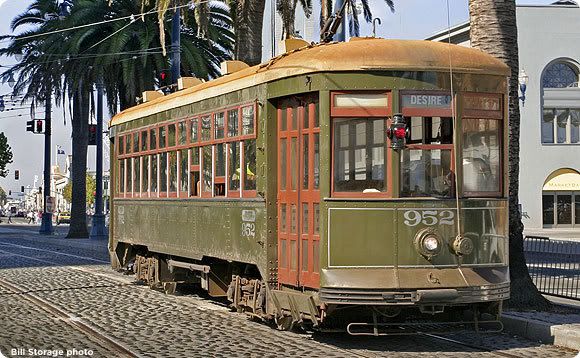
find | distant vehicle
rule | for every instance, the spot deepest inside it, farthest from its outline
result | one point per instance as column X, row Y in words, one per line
column 63, row 217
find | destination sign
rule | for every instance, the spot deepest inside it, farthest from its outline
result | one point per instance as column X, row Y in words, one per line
column 423, row 100
column 482, row 102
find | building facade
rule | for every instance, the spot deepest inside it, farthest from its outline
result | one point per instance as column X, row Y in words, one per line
column 550, row 116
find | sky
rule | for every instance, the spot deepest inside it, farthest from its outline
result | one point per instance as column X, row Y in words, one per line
column 413, row 19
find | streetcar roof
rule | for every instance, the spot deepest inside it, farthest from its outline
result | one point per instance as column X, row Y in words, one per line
column 360, row 54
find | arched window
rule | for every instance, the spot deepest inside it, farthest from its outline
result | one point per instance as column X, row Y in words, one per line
column 560, row 119
column 559, row 75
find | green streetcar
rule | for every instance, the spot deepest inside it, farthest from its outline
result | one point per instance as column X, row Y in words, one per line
column 355, row 185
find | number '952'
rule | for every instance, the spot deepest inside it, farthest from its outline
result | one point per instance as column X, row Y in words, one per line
column 429, row 217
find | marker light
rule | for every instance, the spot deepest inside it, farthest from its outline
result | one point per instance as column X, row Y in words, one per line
column 400, row 133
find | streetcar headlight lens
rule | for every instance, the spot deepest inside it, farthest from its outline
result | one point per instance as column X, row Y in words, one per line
column 428, row 242
column 431, row 244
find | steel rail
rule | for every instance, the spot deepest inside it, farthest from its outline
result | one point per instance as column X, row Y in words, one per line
column 117, row 348
column 469, row 345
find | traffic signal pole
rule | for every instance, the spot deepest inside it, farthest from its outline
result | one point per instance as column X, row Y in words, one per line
column 98, row 229
column 176, row 46
column 46, row 224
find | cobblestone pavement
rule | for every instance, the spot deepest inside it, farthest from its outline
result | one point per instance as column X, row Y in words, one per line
column 72, row 275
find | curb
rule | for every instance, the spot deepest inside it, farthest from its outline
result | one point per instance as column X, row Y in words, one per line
column 563, row 335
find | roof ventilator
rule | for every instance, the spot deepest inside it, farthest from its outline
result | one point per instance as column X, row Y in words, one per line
column 149, row 96
column 186, row 82
column 229, row 67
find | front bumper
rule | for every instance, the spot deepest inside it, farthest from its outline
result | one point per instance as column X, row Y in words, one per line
column 439, row 296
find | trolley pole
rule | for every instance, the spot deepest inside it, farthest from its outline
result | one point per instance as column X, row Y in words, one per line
column 46, row 223
column 341, row 32
column 98, row 230
column 176, row 46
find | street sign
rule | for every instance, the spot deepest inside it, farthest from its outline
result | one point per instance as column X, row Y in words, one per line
column 49, row 204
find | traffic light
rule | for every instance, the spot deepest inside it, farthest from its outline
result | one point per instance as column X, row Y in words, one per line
column 35, row 126
column 22, row 189
column 164, row 78
column 92, row 134
column 9, row 192
column 40, row 190
column 38, row 126
column 16, row 174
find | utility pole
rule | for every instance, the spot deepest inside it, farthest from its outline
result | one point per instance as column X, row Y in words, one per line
column 98, row 229
column 46, row 224
column 176, row 46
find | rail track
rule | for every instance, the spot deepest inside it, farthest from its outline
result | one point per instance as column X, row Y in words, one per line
column 116, row 349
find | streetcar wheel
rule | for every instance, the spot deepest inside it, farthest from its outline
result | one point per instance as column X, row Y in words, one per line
column 284, row 323
column 169, row 287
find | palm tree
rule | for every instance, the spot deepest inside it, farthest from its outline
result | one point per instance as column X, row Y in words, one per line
column 247, row 19
column 38, row 72
column 126, row 56
column 494, row 30
column 326, row 9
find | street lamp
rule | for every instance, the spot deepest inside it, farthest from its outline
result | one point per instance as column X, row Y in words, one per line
column 523, row 80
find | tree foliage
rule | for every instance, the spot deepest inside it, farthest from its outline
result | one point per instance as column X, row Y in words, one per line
column 90, row 191
column 5, row 155
column 2, row 196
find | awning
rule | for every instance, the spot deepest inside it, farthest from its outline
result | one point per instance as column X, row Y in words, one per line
column 563, row 180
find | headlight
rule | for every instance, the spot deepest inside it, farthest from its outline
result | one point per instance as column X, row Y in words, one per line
column 427, row 242
column 431, row 244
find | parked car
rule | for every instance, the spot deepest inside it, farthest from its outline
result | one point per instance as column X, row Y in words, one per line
column 63, row 217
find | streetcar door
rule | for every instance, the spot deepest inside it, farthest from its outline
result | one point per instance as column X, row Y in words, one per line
column 298, row 191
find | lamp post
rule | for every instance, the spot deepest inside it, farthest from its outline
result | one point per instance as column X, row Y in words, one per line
column 98, row 230
column 523, row 80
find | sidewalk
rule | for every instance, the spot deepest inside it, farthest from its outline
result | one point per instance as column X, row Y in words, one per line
column 561, row 328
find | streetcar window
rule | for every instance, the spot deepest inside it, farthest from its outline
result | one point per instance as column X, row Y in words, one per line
column 218, row 125
column 359, row 155
column 127, row 144
column 129, row 176
column 154, row 173
column 234, row 166
column 143, row 140
column 207, row 163
column 250, row 164
column 172, row 172
column 195, row 156
column 182, row 133
column 145, row 177
column 305, row 161
column 162, row 137
column 193, row 128
column 426, row 172
column 426, row 162
column 121, row 176
column 205, row 128
column 481, row 156
column 220, row 170
column 233, row 123
column 120, row 146
column 163, row 173
column 153, row 138
column 316, row 160
column 248, row 120
column 183, row 170
column 171, row 135
column 195, row 184
column 135, row 142
column 136, row 174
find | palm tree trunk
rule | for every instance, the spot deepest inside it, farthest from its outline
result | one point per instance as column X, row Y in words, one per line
column 494, row 30
column 248, row 31
column 80, row 124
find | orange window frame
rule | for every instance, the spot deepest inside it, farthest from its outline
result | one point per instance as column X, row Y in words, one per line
column 362, row 112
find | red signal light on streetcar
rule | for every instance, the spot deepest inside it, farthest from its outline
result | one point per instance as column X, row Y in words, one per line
column 397, row 133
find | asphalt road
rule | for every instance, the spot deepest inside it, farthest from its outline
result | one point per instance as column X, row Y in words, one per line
column 60, row 294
